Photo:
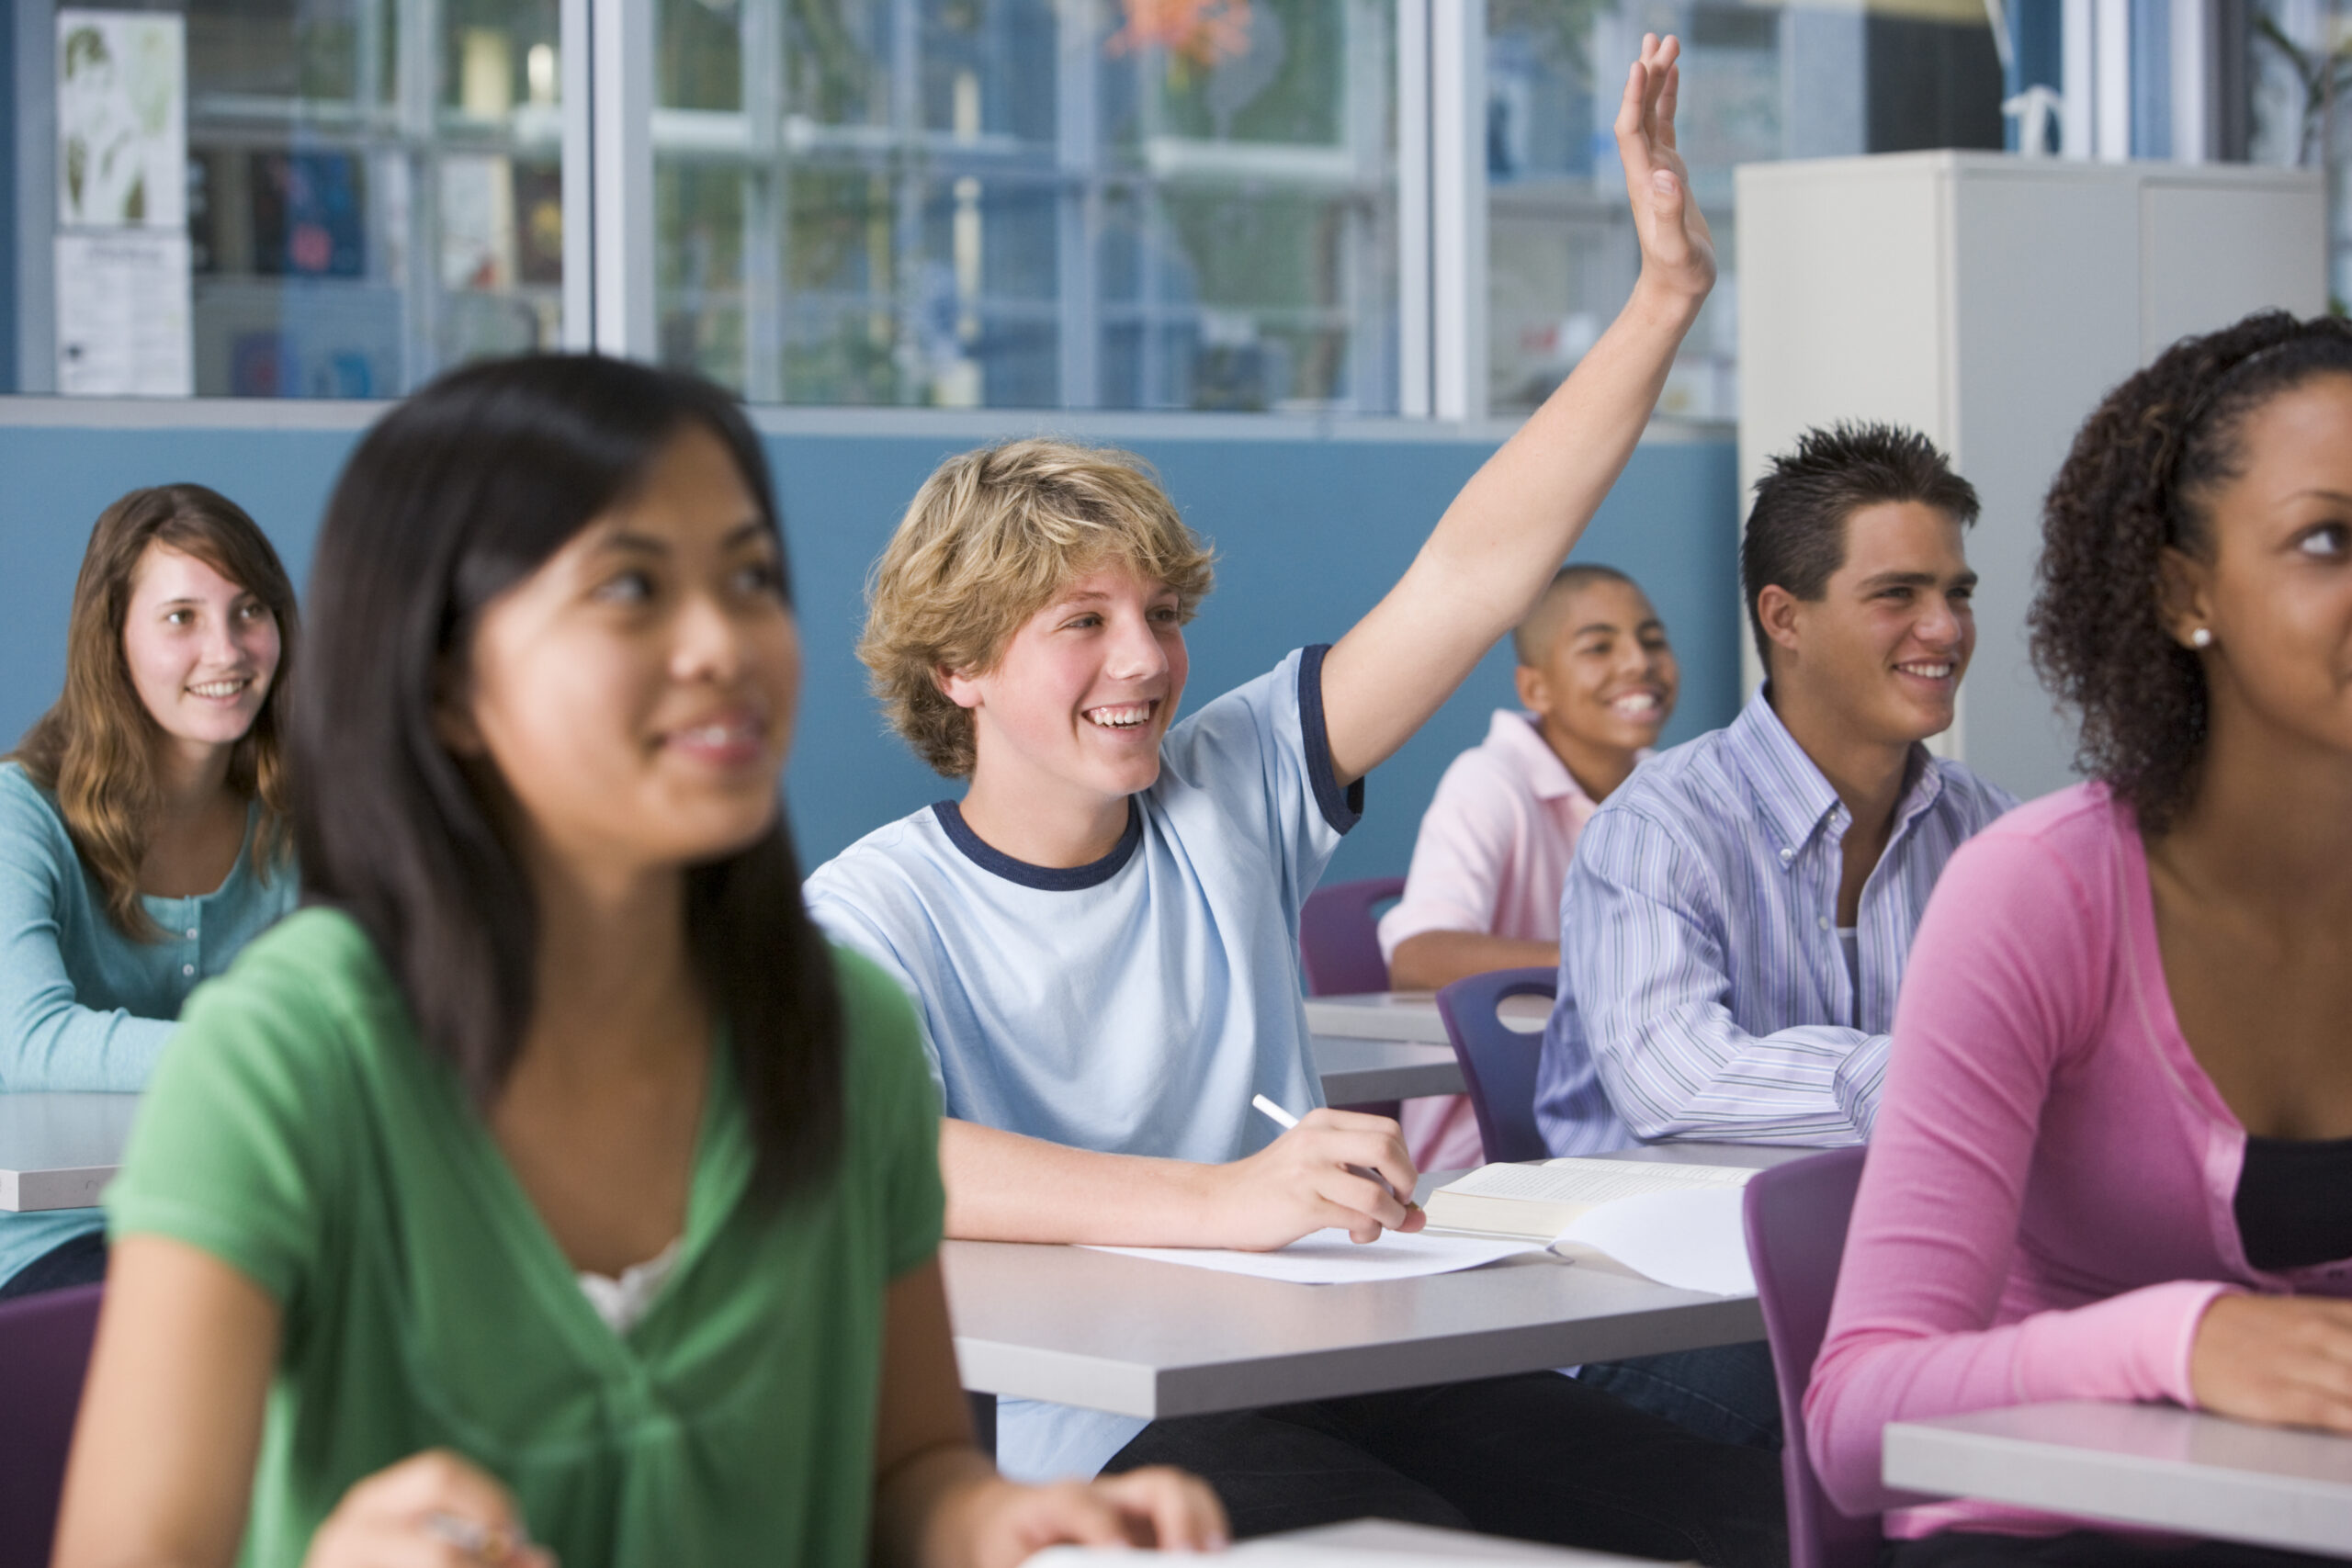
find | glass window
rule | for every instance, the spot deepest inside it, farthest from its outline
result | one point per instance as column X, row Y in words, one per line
column 373, row 190
column 1029, row 203
column 2299, row 65
column 1760, row 81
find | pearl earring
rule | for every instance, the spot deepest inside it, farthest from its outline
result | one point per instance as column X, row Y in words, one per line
column 2202, row 638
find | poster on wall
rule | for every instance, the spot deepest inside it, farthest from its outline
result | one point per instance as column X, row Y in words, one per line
column 123, row 256
column 122, row 315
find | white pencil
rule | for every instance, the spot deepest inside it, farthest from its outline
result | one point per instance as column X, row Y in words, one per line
column 1282, row 1118
column 1285, row 1121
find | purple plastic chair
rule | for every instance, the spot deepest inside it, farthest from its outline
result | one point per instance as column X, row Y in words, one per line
column 44, row 1351
column 1339, row 945
column 1337, row 940
column 1796, row 1216
column 1498, row 1061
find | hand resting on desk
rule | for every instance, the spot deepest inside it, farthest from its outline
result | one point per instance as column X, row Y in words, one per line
column 2283, row 1360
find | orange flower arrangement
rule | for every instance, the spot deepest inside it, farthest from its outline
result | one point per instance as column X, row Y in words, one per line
column 1202, row 31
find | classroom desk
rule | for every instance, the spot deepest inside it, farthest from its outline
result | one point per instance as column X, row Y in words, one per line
column 1409, row 1015
column 57, row 1151
column 1356, row 1072
column 2155, row 1466
column 1153, row 1339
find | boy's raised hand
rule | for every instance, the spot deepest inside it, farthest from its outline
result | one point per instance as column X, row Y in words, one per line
column 1677, row 251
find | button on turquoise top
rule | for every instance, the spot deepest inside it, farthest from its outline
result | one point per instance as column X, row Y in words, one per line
column 82, row 1006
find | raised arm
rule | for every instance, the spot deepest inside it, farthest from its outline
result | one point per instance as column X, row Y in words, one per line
column 1516, row 519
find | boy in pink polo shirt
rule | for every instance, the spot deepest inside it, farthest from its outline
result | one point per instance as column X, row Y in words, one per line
column 1597, row 679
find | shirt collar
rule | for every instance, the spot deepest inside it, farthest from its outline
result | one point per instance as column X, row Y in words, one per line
column 1793, row 794
column 1515, row 735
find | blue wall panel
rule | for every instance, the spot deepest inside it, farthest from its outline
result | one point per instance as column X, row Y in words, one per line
column 1309, row 534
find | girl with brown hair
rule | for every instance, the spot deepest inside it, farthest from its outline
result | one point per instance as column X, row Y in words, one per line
column 143, row 837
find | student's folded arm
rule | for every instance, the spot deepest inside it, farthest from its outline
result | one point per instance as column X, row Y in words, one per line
column 1642, row 947
column 1985, row 1025
column 1499, row 542
column 1440, row 930
column 49, row 1041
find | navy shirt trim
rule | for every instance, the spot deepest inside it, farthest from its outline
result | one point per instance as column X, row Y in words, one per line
column 1048, row 878
column 1343, row 809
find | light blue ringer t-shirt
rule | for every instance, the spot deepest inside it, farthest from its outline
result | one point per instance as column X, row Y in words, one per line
column 1132, row 1005
column 82, row 1006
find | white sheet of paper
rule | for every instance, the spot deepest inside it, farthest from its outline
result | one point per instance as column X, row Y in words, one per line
column 1692, row 1240
column 1328, row 1257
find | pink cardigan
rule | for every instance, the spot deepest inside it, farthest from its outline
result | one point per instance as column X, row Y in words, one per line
column 2046, row 1211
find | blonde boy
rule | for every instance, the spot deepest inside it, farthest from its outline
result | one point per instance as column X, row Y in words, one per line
column 1100, row 935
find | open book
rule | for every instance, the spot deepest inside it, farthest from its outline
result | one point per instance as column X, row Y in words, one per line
column 1679, row 1224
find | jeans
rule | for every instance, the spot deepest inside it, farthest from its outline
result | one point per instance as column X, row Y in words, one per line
column 1728, row 1393
column 1537, row 1456
column 2084, row 1549
column 82, row 1261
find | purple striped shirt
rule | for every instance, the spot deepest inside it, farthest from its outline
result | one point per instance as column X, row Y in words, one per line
column 1703, row 990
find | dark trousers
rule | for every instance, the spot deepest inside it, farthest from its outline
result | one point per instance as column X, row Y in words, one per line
column 1728, row 1393
column 82, row 1261
column 1538, row 1456
column 2085, row 1549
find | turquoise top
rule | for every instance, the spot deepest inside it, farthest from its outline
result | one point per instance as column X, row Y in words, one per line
column 82, row 1006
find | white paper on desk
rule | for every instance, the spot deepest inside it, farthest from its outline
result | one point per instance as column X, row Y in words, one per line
column 1693, row 1240
column 1328, row 1257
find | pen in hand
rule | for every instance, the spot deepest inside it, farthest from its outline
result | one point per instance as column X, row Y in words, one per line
column 1285, row 1121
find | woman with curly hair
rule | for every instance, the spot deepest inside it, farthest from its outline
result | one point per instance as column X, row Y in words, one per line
column 2114, row 1158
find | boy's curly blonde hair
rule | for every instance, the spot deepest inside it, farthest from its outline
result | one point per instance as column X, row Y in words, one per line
column 990, row 538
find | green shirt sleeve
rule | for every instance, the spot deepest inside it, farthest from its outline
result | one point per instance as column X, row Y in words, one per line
column 236, row 1146
column 894, row 1108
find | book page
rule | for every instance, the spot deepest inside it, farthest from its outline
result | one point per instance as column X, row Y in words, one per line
column 1693, row 1240
column 1585, row 1182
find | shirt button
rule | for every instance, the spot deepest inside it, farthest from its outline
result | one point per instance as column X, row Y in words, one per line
column 188, row 968
column 1787, row 855
column 191, row 933
column 1825, row 922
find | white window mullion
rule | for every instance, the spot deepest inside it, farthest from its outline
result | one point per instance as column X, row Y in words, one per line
column 1458, row 208
column 1414, row 299
column 621, row 209
column 577, row 48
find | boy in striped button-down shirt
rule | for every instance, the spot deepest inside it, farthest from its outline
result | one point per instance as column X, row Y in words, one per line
column 1737, row 918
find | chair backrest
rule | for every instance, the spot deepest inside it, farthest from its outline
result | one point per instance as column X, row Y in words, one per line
column 1498, row 1061
column 1796, row 1216
column 1338, row 940
column 44, row 1351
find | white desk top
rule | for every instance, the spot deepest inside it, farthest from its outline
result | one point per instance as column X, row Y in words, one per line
column 1152, row 1339
column 57, row 1151
column 2155, row 1466
column 1357, row 1071
column 1409, row 1015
